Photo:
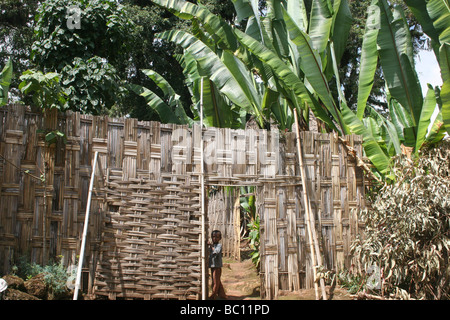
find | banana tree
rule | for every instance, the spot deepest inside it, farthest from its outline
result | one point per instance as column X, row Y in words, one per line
column 293, row 52
column 387, row 40
column 434, row 16
column 267, row 49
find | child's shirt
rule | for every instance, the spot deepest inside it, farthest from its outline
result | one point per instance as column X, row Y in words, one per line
column 215, row 256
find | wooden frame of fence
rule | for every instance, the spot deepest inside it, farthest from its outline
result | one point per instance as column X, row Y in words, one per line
column 144, row 233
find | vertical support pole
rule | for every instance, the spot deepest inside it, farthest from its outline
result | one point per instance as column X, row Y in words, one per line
column 202, row 182
column 316, row 259
column 85, row 229
column 305, row 200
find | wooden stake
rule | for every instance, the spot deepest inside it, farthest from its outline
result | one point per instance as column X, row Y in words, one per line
column 85, row 229
column 309, row 217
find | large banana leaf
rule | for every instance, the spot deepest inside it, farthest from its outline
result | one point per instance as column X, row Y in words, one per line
column 217, row 109
column 439, row 11
column 371, row 147
column 228, row 73
column 312, row 67
column 434, row 16
column 5, row 82
column 162, row 83
column 395, row 49
column 169, row 108
column 437, row 130
column 165, row 113
column 342, row 22
column 289, row 80
column 391, row 138
column 369, row 58
column 428, row 108
column 297, row 11
column 400, row 117
column 278, row 108
column 444, row 53
column 218, row 28
column 321, row 20
column 419, row 9
column 243, row 9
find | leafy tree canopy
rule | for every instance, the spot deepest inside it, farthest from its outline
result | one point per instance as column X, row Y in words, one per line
column 66, row 29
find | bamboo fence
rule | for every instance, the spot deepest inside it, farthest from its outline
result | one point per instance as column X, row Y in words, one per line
column 144, row 235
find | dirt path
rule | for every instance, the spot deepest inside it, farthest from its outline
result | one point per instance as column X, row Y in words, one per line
column 241, row 282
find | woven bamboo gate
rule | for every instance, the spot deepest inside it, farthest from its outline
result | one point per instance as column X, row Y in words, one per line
column 144, row 237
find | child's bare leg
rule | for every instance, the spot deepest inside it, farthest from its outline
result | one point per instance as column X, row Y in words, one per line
column 222, row 293
column 219, row 289
column 215, row 282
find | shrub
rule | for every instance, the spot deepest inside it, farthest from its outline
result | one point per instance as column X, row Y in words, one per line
column 254, row 237
column 407, row 232
column 55, row 274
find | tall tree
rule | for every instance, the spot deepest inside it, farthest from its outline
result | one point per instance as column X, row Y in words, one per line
column 85, row 41
column 16, row 36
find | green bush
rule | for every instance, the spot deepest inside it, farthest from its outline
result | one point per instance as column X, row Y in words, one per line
column 407, row 232
column 254, row 237
column 55, row 274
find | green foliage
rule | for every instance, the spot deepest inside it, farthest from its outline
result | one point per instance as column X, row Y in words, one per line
column 169, row 107
column 247, row 203
column 16, row 37
column 353, row 282
column 55, row 274
column 5, row 82
column 254, row 237
column 83, row 46
column 92, row 85
column 388, row 43
column 46, row 94
column 103, row 31
column 52, row 136
column 294, row 49
column 44, row 89
column 407, row 231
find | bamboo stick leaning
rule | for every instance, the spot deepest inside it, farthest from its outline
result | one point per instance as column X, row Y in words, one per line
column 316, row 259
column 85, row 229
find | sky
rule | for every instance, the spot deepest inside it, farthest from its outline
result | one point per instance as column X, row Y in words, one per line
column 428, row 70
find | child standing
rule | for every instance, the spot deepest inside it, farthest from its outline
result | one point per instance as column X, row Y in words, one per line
column 215, row 263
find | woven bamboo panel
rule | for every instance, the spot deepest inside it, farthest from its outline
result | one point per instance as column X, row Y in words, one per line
column 224, row 215
column 336, row 190
column 151, row 244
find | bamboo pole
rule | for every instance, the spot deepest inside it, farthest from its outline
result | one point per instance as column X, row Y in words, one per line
column 203, row 238
column 85, row 229
column 317, row 249
column 309, row 217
